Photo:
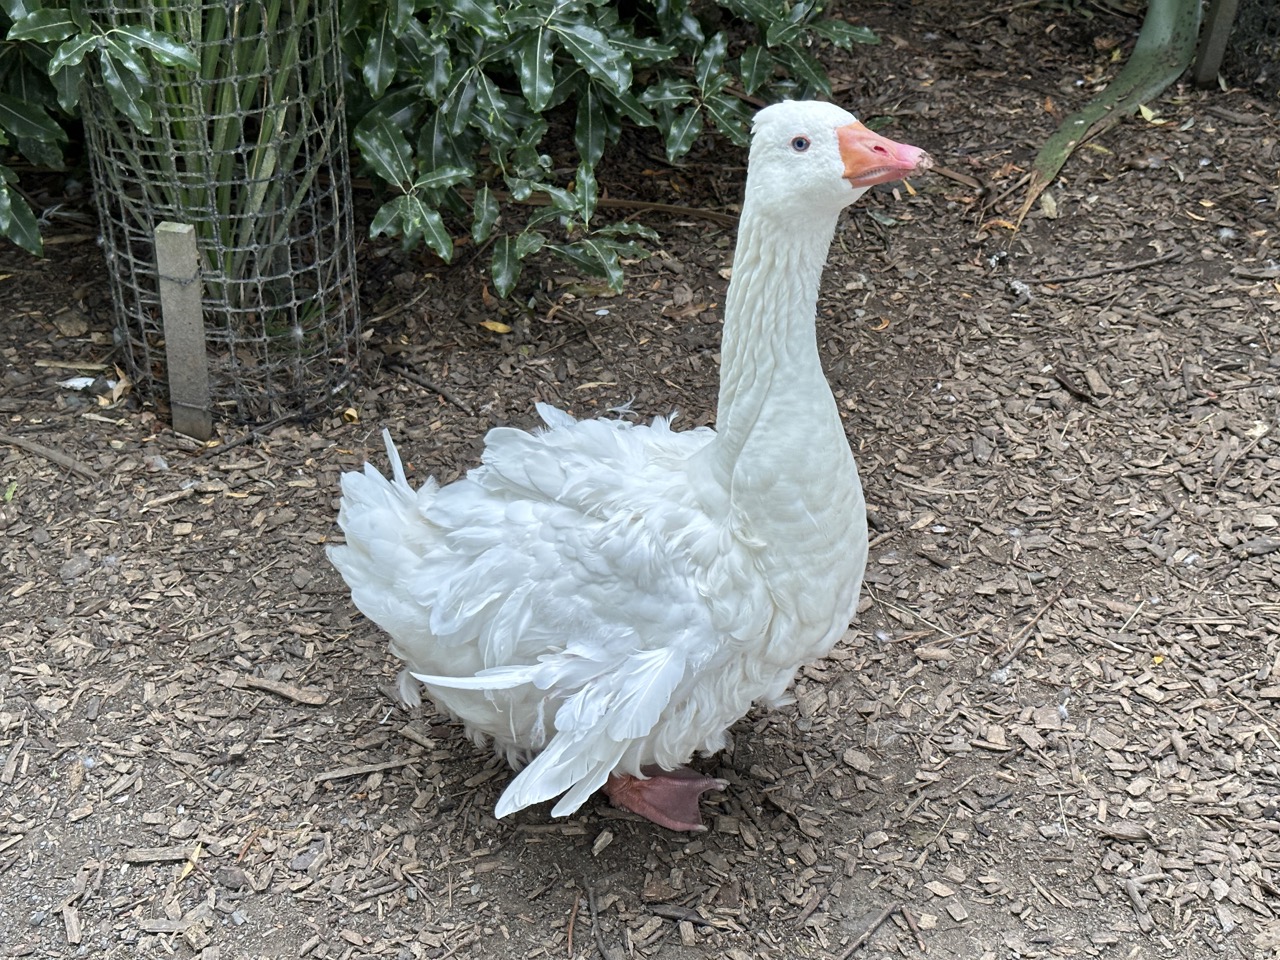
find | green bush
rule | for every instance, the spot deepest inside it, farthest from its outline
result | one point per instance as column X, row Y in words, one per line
column 451, row 101
column 42, row 64
column 457, row 97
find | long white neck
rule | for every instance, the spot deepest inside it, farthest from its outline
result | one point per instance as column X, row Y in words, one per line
column 771, row 381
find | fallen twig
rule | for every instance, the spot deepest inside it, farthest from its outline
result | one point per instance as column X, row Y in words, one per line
column 876, row 923
column 422, row 381
column 1107, row 271
column 361, row 769
column 57, row 456
column 260, row 429
column 911, row 922
column 1018, row 640
column 312, row 698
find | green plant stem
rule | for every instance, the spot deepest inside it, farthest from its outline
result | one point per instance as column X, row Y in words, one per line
column 1164, row 50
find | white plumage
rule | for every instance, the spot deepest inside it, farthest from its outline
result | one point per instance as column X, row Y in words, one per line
column 604, row 598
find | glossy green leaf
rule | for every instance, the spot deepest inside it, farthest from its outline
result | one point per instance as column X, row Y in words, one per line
column 641, row 51
column 783, row 33
column 561, row 200
column 504, row 268
column 164, row 48
column 807, row 70
column 402, row 12
column 843, row 34
column 759, row 12
column 384, row 147
column 595, row 54
column 756, row 68
column 625, row 105
column 427, row 58
column 125, row 91
column 529, row 242
column 480, row 15
column 731, row 117
column 484, row 214
column 23, row 119
column 43, row 26
column 126, row 56
column 491, row 109
column 598, row 258
column 684, row 129
column 66, row 85
column 709, row 67
column 42, row 153
column 586, row 192
column 387, row 219
column 592, row 126
column 627, row 229
column 441, row 177
column 16, row 10
column 535, row 58
column 71, row 53
column 667, row 94
column 379, row 67
column 18, row 223
column 436, row 236
column 459, row 102
column 413, row 220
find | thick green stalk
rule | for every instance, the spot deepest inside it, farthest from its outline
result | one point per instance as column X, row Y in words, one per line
column 1164, row 50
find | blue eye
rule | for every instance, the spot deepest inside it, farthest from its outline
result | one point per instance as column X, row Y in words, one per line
column 800, row 144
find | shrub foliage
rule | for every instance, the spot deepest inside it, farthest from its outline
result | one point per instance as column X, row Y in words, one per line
column 458, row 97
column 450, row 102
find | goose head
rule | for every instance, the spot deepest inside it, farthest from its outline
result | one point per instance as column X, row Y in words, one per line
column 810, row 158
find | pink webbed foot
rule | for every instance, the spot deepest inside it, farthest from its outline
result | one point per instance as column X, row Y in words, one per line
column 667, row 797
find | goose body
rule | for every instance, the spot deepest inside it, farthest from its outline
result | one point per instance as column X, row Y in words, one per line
column 604, row 599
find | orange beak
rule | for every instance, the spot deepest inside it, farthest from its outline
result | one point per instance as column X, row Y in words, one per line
column 870, row 158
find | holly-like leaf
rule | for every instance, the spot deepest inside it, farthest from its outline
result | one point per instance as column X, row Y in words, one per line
column 535, row 57
column 441, row 177
column 71, row 53
column 43, row 26
column 667, row 94
column 18, row 223
column 628, row 106
column 844, row 34
column 759, row 12
column 641, row 51
column 28, row 120
column 484, row 214
column 731, row 117
column 164, row 48
column 491, row 111
column 413, row 220
column 708, row 69
column 595, row 54
column 125, row 91
column 379, row 67
column 756, row 68
column 591, row 129
column 481, row 15
column 384, row 147
column 504, row 268
column 586, row 192
column 806, row 69
column 684, row 129
column 598, row 258
column 126, row 55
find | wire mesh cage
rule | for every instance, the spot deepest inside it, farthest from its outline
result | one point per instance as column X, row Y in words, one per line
column 1253, row 53
column 250, row 149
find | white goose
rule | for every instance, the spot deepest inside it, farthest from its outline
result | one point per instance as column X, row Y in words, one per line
column 602, row 599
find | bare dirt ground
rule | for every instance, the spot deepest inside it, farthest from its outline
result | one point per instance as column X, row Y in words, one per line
column 1052, row 731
